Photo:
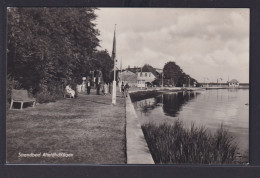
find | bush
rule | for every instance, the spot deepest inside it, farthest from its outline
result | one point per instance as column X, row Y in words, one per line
column 44, row 97
column 50, row 95
column 176, row 144
column 44, row 94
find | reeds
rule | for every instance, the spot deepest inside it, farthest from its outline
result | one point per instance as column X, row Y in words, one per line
column 176, row 144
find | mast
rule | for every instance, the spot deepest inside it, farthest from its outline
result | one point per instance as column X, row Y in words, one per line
column 114, row 58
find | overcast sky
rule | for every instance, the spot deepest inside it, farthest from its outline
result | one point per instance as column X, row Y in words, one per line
column 205, row 43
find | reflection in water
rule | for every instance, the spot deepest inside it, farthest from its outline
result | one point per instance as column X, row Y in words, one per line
column 172, row 103
column 148, row 104
column 209, row 108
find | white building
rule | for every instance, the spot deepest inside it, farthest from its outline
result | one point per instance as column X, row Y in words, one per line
column 147, row 74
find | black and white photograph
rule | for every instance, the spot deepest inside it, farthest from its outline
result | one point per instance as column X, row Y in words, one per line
column 92, row 85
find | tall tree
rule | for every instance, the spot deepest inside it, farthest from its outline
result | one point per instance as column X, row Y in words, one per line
column 172, row 71
column 102, row 61
column 175, row 74
column 50, row 45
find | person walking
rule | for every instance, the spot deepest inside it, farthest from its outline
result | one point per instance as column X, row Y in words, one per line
column 119, row 84
column 88, row 87
column 105, row 89
column 83, row 86
column 123, row 89
column 98, row 88
column 126, row 88
column 110, row 87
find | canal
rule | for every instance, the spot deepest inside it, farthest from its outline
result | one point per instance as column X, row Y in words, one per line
column 209, row 108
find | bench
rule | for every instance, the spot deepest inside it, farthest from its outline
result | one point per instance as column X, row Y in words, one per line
column 21, row 96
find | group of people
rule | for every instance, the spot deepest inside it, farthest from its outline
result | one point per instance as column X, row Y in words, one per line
column 105, row 88
column 124, row 89
column 98, row 86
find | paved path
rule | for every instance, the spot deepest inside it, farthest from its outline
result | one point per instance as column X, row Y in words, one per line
column 89, row 127
column 137, row 149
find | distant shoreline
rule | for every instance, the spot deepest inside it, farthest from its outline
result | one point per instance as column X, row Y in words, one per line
column 225, row 87
column 176, row 89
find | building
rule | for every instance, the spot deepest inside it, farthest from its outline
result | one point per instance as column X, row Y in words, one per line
column 147, row 75
column 129, row 77
column 134, row 69
column 233, row 83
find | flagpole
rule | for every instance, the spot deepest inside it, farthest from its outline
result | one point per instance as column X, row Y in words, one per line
column 121, row 65
column 114, row 58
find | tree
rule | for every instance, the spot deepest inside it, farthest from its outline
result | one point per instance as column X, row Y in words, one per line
column 44, row 50
column 172, row 71
column 175, row 74
column 102, row 61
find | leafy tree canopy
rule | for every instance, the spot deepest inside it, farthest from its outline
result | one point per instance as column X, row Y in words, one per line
column 52, row 46
column 175, row 74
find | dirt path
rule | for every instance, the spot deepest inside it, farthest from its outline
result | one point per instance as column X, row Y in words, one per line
column 90, row 128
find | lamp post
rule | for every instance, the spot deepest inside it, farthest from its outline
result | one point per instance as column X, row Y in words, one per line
column 162, row 79
column 189, row 82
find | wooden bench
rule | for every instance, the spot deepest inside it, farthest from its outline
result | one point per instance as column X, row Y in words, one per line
column 21, row 96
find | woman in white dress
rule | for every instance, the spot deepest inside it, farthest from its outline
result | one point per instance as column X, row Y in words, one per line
column 70, row 91
column 105, row 89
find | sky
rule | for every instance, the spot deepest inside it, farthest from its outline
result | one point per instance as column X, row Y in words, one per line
column 207, row 44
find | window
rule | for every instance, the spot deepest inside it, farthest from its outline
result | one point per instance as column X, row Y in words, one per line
column 146, row 74
column 149, row 74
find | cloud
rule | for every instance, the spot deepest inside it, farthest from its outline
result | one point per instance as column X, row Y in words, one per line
column 204, row 42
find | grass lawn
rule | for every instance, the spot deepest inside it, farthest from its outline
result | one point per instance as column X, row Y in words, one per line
column 89, row 127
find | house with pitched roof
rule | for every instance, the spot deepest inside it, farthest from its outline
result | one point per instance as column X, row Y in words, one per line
column 129, row 77
column 145, row 75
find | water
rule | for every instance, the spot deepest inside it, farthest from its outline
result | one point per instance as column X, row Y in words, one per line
column 209, row 108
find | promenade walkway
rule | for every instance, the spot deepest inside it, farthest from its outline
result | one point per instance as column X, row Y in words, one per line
column 88, row 129
column 137, row 149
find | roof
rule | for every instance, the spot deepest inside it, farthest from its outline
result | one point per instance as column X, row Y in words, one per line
column 127, row 72
column 148, row 68
column 134, row 70
column 233, row 81
column 128, row 76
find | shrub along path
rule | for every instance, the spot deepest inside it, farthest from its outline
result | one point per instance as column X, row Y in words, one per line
column 89, row 127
